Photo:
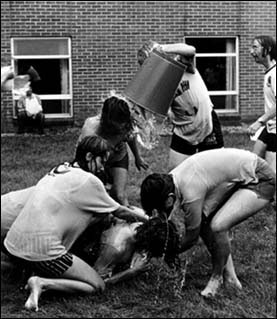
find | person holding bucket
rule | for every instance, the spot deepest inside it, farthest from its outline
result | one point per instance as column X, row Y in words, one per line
column 196, row 125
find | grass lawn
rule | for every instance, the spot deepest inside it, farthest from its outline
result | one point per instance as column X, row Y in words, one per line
column 157, row 293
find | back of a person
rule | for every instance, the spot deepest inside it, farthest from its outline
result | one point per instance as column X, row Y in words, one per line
column 216, row 166
column 191, row 110
column 51, row 218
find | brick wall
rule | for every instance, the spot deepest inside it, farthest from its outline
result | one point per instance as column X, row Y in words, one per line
column 106, row 34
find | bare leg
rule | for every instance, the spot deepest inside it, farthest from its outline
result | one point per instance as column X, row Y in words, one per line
column 80, row 277
column 242, row 204
column 230, row 276
column 270, row 157
column 219, row 247
column 118, row 190
column 259, row 148
column 37, row 285
column 175, row 159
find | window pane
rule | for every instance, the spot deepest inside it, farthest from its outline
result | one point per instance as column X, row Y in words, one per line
column 41, row 47
column 219, row 73
column 224, row 102
column 54, row 74
column 212, row 45
column 56, row 106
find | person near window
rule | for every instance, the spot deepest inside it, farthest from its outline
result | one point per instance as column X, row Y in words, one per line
column 206, row 195
column 196, row 125
column 30, row 112
column 60, row 207
column 264, row 52
column 116, row 125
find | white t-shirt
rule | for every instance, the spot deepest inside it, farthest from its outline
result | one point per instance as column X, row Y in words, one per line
column 11, row 205
column 32, row 105
column 62, row 205
column 270, row 96
column 203, row 172
column 190, row 112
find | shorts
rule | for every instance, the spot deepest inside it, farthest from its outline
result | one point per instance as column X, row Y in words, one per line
column 212, row 141
column 49, row 268
column 123, row 163
column 266, row 185
column 269, row 139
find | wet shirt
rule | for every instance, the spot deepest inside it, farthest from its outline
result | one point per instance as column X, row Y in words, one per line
column 201, row 173
column 60, row 207
column 12, row 204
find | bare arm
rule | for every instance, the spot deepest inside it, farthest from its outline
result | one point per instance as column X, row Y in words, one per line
column 270, row 114
column 193, row 216
column 179, row 48
column 140, row 163
column 127, row 274
column 129, row 214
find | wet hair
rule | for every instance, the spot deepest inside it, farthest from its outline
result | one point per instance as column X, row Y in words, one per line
column 269, row 45
column 154, row 191
column 93, row 144
column 159, row 238
column 145, row 50
column 115, row 117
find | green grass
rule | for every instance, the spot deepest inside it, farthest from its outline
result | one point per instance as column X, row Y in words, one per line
column 155, row 294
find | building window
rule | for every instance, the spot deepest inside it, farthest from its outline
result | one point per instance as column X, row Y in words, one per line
column 217, row 62
column 51, row 58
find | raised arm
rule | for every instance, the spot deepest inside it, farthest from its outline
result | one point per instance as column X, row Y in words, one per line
column 129, row 214
column 179, row 48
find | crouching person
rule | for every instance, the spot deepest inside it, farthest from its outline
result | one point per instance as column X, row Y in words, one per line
column 58, row 210
column 206, row 195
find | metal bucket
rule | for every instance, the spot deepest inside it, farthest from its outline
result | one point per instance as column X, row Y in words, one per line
column 155, row 83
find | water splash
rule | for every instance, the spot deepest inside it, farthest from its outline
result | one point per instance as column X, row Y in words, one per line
column 147, row 126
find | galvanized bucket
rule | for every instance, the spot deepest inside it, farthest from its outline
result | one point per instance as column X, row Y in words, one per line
column 155, row 83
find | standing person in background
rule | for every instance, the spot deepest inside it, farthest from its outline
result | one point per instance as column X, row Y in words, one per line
column 196, row 125
column 264, row 52
column 30, row 112
column 115, row 124
column 60, row 207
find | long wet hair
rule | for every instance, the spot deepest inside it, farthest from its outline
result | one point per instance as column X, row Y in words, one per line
column 269, row 45
column 159, row 238
column 93, row 144
column 116, row 117
column 154, row 191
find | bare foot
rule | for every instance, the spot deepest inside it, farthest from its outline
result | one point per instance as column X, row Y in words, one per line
column 233, row 281
column 35, row 286
column 212, row 287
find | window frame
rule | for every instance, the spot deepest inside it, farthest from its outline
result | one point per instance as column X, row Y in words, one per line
column 232, row 54
column 48, row 97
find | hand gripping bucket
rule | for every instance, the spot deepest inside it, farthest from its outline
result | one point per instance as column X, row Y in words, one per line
column 154, row 85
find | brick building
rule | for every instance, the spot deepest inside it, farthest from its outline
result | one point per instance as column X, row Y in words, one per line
column 84, row 49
